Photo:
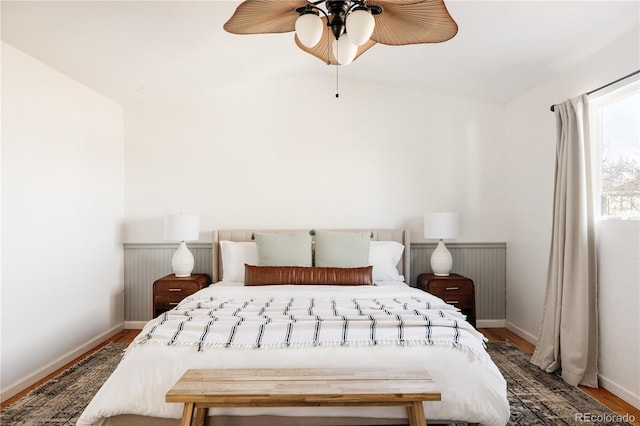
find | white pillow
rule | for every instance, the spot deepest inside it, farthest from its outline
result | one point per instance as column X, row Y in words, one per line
column 390, row 284
column 384, row 256
column 234, row 255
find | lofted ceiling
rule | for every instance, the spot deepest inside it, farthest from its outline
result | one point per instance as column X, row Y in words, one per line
column 135, row 50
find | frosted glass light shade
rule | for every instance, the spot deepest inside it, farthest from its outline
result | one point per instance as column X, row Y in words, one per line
column 181, row 227
column 441, row 225
column 360, row 25
column 343, row 50
column 309, row 29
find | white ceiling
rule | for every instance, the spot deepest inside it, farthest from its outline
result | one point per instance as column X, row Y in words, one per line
column 133, row 50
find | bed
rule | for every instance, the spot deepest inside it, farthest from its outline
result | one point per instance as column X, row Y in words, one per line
column 231, row 324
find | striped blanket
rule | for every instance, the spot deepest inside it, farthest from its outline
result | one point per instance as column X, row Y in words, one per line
column 258, row 323
column 268, row 322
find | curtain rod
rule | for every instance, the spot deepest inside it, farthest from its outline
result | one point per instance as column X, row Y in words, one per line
column 605, row 86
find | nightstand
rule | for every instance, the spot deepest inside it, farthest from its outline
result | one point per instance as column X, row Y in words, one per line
column 170, row 290
column 453, row 289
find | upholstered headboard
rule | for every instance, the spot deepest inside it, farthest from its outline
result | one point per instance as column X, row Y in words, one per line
column 398, row 235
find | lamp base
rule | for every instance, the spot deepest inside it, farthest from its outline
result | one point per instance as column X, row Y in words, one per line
column 182, row 261
column 441, row 260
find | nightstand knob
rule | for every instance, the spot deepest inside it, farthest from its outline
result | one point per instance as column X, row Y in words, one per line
column 175, row 289
column 452, row 288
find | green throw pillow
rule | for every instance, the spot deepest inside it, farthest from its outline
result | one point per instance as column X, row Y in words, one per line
column 284, row 248
column 342, row 249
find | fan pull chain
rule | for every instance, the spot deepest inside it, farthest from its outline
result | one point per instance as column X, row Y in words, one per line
column 329, row 43
column 337, row 73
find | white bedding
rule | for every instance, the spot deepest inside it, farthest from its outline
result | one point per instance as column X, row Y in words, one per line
column 472, row 387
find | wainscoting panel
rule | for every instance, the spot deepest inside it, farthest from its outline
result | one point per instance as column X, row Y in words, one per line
column 145, row 263
column 484, row 263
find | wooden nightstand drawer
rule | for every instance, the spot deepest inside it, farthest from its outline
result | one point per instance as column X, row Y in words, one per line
column 450, row 287
column 170, row 290
column 461, row 301
column 166, row 302
column 176, row 289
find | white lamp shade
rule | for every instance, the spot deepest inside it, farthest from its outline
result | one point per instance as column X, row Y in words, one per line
column 181, row 227
column 309, row 29
column 441, row 225
column 343, row 50
column 360, row 25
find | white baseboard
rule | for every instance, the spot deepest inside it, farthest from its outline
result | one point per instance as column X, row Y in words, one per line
column 619, row 391
column 492, row 323
column 134, row 325
column 22, row 384
column 522, row 333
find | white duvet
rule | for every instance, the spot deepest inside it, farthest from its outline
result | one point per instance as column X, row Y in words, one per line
column 472, row 388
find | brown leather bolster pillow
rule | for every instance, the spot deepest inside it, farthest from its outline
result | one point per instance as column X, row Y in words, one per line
column 301, row 275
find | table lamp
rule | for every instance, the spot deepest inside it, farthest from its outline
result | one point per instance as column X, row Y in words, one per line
column 441, row 226
column 182, row 228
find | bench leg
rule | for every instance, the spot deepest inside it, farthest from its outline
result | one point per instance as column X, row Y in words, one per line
column 187, row 413
column 415, row 412
column 201, row 414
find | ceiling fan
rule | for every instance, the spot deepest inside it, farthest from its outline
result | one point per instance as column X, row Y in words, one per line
column 339, row 31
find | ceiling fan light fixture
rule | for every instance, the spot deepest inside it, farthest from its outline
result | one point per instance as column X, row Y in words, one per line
column 344, row 50
column 395, row 23
column 360, row 25
column 309, row 28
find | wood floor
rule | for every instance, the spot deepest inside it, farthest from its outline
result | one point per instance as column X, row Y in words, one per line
column 614, row 403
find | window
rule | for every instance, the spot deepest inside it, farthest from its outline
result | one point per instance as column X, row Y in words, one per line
column 615, row 118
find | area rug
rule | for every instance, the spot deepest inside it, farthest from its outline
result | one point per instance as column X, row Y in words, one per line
column 61, row 400
column 536, row 398
column 539, row 398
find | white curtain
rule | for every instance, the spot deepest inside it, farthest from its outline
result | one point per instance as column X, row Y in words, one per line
column 568, row 338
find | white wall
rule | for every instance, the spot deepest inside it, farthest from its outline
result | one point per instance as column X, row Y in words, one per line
column 62, row 211
column 619, row 299
column 530, row 159
column 291, row 155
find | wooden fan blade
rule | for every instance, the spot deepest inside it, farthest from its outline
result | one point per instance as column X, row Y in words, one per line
column 264, row 16
column 402, row 22
column 324, row 49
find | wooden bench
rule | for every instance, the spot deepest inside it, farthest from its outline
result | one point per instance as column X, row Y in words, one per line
column 296, row 387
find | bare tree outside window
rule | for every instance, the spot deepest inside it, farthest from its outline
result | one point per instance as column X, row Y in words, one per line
column 621, row 184
column 618, row 136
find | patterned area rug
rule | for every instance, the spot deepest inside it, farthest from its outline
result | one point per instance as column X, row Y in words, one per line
column 539, row 398
column 61, row 400
column 536, row 398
